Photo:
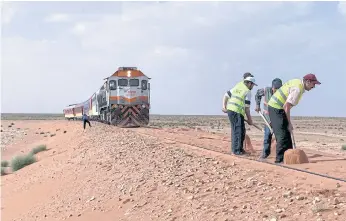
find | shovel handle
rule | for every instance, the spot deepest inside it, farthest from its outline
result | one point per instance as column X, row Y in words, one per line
column 293, row 141
column 265, row 120
column 255, row 125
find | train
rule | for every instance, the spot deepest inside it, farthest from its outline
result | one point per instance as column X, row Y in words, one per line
column 123, row 100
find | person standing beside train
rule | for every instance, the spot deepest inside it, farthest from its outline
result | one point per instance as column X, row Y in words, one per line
column 85, row 119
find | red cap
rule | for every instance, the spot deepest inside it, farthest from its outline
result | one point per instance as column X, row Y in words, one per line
column 312, row 78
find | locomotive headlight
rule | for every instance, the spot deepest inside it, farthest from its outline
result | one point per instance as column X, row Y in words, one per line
column 143, row 106
column 128, row 73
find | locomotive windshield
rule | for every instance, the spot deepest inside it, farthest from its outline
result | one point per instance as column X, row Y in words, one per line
column 134, row 82
column 123, row 82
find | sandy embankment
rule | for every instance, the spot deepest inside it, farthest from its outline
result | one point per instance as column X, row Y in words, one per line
column 115, row 174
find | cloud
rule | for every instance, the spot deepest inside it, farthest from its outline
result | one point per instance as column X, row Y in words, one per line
column 194, row 52
column 57, row 18
column 342, row 7
column 8, row 11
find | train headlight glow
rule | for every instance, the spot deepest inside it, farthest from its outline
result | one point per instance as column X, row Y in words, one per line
column 128, row 73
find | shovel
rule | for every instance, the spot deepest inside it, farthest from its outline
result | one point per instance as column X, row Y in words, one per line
column 268, row 125
column 247, row 138
column 261, row 129
column 265, row 120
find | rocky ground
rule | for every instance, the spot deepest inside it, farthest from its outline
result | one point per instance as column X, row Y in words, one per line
column 107, row 173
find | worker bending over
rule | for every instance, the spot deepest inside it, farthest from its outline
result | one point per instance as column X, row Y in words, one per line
column 237, row 105
column 279, row 107
column 267, row 92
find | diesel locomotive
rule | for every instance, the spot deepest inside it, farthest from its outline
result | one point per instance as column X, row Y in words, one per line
column 123, row 100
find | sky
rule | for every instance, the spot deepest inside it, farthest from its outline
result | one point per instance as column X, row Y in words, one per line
column 57, row 53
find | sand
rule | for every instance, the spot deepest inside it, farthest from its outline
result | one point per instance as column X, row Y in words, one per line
column 174, row 173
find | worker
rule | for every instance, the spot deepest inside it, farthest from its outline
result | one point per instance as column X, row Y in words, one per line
column 85, row 119
column 238, row 104
column 228, row 94
column 267, row 92
column 279, row 107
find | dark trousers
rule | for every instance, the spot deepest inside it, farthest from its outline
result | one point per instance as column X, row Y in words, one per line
column 279, row 123
column 267, row 142
column 84, row 123
column 238, row 131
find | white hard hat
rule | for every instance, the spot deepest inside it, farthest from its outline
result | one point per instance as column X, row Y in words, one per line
column 252, row 79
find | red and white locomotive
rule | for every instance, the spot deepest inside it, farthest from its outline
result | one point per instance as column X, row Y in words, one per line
column 123, row 100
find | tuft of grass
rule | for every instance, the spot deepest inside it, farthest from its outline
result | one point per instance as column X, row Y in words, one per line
column 38, row 149
column 4, row 163
column 19, row 162
column 3, row 171
column 343, row 147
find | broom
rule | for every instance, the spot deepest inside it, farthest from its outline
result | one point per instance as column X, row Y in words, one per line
column 247, row 143
column 295, row 156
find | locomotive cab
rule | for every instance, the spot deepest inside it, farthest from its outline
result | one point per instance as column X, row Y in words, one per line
column 129, row 96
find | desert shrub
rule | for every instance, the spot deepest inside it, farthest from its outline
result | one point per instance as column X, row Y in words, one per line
column 19, row 162
column 4, row 163
column 38, row 149
column 3, row 172
column 343, row 147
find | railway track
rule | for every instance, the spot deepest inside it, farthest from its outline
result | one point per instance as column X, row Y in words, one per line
column 136, row 130
column 240, row 157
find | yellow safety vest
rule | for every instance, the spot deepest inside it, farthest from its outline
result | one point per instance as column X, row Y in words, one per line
column 280, row 96
column 236, row 102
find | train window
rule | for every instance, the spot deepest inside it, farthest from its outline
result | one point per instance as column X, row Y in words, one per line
column 134, row 82
column 122, row 82
column 112, row 85
column 144, row 84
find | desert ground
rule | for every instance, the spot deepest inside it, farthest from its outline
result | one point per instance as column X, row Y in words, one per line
column 180, row 168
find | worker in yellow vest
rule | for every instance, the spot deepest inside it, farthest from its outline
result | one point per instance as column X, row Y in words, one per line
column 238, row 104
column 279, row 107
column 228, row 94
